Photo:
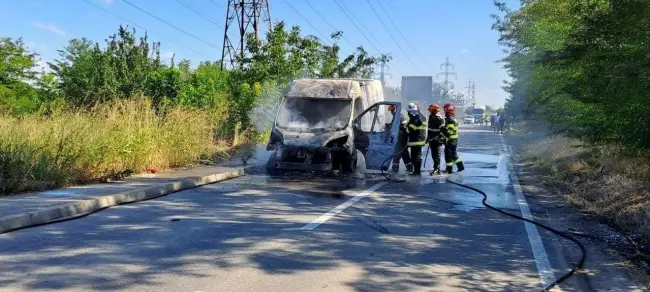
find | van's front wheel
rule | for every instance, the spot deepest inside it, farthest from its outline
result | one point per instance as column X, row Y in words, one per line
column 359, row 163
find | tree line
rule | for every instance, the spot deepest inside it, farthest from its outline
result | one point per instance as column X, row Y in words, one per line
column 128, row 66
column 582, row 66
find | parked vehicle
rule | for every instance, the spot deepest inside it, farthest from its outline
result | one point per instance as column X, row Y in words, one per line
column 469, row 120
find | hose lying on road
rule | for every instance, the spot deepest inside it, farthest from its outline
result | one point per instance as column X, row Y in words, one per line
column 570, row 273
column 554, row 231
column 383, row 165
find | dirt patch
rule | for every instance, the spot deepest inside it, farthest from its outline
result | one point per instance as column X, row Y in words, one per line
column 609, row 195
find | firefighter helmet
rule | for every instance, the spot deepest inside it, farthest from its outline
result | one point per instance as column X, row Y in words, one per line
column 450, row 109
column 434, row 108
column 412, row 108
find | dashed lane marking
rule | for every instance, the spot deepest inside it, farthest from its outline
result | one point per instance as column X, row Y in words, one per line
column 338, row 209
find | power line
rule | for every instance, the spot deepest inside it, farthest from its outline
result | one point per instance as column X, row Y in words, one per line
column 362, row 25
column 173, row 26
column 144, row 28
column 215, row 3
column 402, row 35
column 391, row 36
column 308, row 22
column 199, row 13
column 325, row 19
column 355, row 25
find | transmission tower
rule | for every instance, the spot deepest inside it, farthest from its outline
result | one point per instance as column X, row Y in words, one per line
column 473, row 102
column 447, row 85
column 467, row 101
column 249, row 14
column 383, row 66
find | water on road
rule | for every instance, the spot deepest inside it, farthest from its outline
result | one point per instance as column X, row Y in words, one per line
column 250, row 234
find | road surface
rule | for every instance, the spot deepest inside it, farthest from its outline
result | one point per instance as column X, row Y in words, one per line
column 256, row 233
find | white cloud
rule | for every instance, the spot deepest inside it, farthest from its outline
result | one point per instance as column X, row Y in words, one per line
column 465, row 51
column 50, row 27
column 42, row 66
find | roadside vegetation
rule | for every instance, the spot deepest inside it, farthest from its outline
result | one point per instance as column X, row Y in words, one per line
column 580, row 91
column 106, row 110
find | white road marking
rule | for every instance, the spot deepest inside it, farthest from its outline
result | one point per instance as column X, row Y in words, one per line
column 544, row 268
column 327, row 216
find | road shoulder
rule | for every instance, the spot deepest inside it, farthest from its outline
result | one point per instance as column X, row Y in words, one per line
column 605, row 268
column 24, row 211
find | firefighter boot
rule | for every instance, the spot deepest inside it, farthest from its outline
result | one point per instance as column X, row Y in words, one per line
column 395, row 168
column 460, row 166
column 449, row 169
column 436, row 171
column 417, row 168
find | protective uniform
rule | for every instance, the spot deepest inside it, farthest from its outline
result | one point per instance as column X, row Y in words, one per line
column 435, row 137
column 451, row 134
column 402, row 140
column 416, row 129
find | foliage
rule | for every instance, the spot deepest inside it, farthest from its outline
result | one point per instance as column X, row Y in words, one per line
column 17, row 95
column 38, row 152
column 106, row 109
column 582, row 65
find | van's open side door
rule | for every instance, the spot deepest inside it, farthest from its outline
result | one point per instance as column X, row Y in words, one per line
column 376, row 131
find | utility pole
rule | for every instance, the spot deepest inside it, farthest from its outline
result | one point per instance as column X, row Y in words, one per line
column 249, row 15
column 447, row 85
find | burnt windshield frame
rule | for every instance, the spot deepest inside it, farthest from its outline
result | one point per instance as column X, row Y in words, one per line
column 314, row 115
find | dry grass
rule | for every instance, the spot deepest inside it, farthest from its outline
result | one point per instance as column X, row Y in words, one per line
column 66, row 147
column 599, row 180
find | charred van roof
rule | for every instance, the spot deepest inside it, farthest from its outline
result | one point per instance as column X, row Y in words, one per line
column 325, row 88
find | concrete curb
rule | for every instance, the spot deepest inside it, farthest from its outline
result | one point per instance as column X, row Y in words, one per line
column 84, row 207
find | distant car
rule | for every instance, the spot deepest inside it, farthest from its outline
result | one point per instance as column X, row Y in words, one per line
column 468, row 120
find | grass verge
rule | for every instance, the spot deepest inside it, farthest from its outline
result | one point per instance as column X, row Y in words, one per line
column 599, row 180
column 71, row 147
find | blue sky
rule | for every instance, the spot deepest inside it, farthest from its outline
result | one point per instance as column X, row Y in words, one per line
column 435, row 29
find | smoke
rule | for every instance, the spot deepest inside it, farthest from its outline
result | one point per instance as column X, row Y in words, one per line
column 263, row 114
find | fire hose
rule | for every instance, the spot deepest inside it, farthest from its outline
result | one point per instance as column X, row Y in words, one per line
column 559, row 280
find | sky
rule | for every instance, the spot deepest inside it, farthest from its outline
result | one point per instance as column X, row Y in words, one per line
column 419, row 34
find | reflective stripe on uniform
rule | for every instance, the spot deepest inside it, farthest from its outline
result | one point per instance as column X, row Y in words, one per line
column 416, row 143
column 454, row 162
column 421, row 127
column 453, row 131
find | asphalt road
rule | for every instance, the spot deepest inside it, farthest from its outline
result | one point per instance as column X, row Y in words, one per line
column 256, row 233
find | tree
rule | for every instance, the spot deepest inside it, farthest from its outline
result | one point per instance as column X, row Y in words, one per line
column 91, row 75
column 16, row 73
column 579, row 64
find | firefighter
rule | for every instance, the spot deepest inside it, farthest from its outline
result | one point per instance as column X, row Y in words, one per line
column 402, row 140
column 450, row 131
column 417, row 136
column 435, row 137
